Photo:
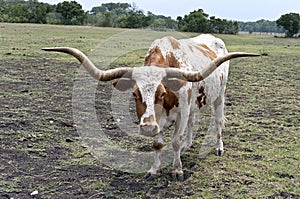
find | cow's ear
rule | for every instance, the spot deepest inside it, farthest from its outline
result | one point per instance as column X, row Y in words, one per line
column 173, row 83
column 123, row 84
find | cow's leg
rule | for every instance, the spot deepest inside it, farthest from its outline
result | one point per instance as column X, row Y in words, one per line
column 158, row 144
column 189, row 135
column 178, row 142
column 219, row 123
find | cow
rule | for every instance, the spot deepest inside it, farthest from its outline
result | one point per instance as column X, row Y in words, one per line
column 178, row 79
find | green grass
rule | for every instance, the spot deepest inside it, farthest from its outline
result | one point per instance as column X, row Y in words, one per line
column 261, row 136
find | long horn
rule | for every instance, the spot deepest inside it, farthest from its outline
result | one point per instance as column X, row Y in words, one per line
column 90, row 67
column 195, row 76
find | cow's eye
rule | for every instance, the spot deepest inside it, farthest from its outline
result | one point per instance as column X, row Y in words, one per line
column 162, row 95
column 134, row 94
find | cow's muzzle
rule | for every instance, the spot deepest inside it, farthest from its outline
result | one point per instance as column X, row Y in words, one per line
column 149, row 130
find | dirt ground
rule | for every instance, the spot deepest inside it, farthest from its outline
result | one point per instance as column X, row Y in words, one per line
column 41, row 150
column 36, row 131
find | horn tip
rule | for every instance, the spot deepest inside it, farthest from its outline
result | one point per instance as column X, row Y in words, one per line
column 255, row 54
column 244, row 54
column 49, row 49
column 58, row 48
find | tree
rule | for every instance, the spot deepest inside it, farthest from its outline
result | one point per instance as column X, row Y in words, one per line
column 290, row 22
column 21, row 11
column 260, row 26
column 38, row 12
column 71, row 12
column 99, row 9
column 109, row 14
column 108, row 7
column 161, row 22
column 196, row 21
column 136, row 20
column 18, row 13
column 107, row 22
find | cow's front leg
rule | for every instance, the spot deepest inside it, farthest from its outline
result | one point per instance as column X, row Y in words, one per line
column 219, row 123
column 178, row 143
column 158, row 144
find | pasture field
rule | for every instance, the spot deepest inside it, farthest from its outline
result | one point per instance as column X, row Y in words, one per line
column 41, row 152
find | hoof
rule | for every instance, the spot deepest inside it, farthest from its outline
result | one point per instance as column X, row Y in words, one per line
column 220, row 152
column 150, row 177
column 177, row 177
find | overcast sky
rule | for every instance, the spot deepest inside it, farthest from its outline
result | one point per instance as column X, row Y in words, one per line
column 240, row 10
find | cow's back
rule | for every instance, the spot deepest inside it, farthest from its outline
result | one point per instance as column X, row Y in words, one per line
column 193, row 54
column 214, row 85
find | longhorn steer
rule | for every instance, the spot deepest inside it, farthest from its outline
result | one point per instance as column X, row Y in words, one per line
column 179, row 78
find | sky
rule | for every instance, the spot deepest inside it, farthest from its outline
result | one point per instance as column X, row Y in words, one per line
column 238, row 10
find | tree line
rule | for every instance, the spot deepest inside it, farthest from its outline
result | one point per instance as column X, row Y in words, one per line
column 199, row 21
column 260, row 26
column 124, row 15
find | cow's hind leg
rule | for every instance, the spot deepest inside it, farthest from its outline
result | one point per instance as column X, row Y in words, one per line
column 219, row 123
column 189, row 135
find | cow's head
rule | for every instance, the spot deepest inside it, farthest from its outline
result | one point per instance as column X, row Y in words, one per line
column 151, row 85
column 151, row 89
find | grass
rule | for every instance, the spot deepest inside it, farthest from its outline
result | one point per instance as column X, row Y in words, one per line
column 261, row 135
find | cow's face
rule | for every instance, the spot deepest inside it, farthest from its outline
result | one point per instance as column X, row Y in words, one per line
column 151, row 90
column 149, row 106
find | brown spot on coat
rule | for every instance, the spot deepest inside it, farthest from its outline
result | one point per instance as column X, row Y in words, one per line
column 209, row 52
column 205, row 50
column 201, row 99
column 171, row 61
column 156, row 58
column 170, row 101
column 174, row 42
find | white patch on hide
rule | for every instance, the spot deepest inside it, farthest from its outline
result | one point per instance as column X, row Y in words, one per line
column 147, row 79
